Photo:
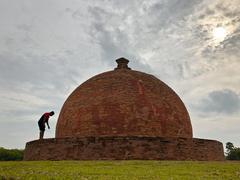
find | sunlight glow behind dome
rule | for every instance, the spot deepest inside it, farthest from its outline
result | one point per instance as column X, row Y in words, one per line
column 219, row 33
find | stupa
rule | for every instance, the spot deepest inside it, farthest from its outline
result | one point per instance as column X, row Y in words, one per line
column 124, row 114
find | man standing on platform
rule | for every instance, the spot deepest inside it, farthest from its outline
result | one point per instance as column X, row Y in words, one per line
column 42, row 121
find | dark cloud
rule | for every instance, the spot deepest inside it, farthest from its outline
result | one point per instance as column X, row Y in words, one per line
column 39, row 71
column 181, row 8
column 232, row 44
column 24, row 27
column 224, row 102
column 114, row 42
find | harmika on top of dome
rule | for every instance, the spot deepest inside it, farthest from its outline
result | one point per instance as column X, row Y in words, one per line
column 123, row 114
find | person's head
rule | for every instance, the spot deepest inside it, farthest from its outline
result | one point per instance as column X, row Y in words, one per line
column 51, row 113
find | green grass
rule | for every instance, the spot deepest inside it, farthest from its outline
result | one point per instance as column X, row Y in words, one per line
column 119, row 170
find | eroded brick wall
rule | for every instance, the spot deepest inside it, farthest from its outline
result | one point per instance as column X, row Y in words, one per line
column 124, row 103
column 109, row 148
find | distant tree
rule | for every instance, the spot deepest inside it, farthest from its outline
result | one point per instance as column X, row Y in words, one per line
column 229, row 146
column 11, row 154
column 233, row 153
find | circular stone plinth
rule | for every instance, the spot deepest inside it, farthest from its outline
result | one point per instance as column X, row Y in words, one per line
column 124, row 148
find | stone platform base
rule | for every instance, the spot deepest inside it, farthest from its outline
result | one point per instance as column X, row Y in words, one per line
column 124, row 148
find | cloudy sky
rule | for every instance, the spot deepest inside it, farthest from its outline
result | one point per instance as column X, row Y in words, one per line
column 49, row 47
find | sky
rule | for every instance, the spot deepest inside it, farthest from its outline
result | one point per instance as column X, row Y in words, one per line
column 49, row 47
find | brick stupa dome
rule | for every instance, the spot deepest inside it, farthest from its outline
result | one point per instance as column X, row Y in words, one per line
column 123, row 114
column 123, row 102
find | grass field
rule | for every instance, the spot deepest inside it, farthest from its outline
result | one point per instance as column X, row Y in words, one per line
column 119, row 170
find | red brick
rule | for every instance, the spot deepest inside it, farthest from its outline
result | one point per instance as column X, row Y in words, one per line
column 124, row 114
column 124, row 102
column 114, row 148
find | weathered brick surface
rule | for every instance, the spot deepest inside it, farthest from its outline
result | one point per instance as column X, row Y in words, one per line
column 124, row 102
column 114, row 148
column 124, row 114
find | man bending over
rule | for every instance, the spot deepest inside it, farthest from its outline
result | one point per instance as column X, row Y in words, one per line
column 42, row 121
